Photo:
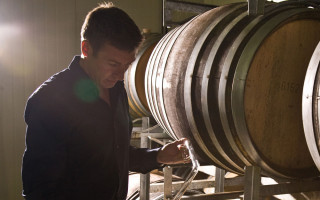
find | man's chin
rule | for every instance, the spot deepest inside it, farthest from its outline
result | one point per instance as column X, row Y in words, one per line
column 109, row 84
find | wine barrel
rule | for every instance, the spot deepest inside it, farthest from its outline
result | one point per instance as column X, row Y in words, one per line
column 232, row 84
column 310, row 106
column 134, row 78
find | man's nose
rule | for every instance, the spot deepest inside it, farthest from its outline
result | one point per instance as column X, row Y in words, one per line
column 120, row 73
column 121, row 76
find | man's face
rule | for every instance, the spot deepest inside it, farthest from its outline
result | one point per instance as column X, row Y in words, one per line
column 108, row 66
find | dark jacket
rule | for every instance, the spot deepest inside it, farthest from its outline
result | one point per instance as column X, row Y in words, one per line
column 77, row 146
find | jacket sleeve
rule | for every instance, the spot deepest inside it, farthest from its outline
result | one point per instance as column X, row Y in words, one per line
column 143, row 160
column 44, row 161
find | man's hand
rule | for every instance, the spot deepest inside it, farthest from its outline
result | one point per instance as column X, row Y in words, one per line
column 174, row 153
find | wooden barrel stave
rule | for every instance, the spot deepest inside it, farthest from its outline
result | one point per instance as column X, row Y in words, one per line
column 155, row 64
column 192, row 85
column 134, row 78
column 248, row 28
column 158, row 76
column 222, row 42
column 212, row 73
column 229, row 27
column 157, row 82
column 176, row 77
column 150, row 81
column 249, row 138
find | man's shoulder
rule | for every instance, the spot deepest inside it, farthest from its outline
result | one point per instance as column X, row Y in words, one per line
column 56, row 84
column 52, row 96
column 61, row 83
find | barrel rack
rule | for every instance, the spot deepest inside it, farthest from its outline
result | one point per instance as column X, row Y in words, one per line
column 250, row 182
column 255, row 7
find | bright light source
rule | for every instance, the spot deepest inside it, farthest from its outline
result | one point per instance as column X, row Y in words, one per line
column 8, row 32
column 277, row 1
column 10, row 40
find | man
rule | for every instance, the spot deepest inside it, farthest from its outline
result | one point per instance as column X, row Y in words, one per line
column 78, row 126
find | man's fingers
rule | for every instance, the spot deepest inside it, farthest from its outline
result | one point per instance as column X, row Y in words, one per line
column 182, row 140
column 181, row 143
column 185, row 157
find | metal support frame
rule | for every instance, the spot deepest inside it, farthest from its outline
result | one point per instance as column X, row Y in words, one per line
column 145, row 142
column 196, row 184
column 256, row 7
column 171, row 6
column 167, row 186
column 219, row 180
column 252, row 182
column 145, row 178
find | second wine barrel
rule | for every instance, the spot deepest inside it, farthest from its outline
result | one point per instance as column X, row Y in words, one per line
column 134, row 78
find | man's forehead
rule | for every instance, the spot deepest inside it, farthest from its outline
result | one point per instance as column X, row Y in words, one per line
column 117, row 55
column 122, row 61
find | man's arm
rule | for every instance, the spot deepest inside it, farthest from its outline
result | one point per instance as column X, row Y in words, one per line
column 144, row 160
column 44, row 161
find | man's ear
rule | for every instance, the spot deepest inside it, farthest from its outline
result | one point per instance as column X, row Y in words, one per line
column 85, row 48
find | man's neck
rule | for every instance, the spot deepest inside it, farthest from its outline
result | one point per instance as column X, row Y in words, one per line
column 103, row 93
column 83, row 65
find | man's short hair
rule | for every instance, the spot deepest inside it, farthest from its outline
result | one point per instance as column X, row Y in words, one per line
column 107, row 23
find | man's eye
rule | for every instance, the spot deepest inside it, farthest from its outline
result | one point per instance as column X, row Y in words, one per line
column 113, row 64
